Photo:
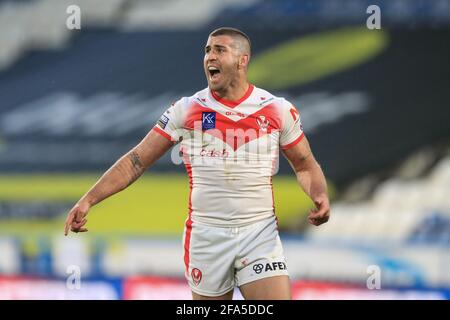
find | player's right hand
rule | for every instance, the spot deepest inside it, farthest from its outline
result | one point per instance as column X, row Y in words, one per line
column 76, row 219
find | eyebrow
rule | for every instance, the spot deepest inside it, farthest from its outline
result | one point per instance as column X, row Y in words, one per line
column 216, row 46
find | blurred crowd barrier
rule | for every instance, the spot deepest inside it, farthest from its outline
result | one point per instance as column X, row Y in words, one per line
column 156, row 288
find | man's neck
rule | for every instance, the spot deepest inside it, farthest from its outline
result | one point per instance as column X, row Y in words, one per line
column 234, row 92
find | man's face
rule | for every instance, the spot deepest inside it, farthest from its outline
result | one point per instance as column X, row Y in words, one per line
column 221, row 62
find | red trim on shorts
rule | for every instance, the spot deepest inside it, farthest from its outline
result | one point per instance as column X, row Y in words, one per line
column 273, row 202
column 163, row 133
column 293, row 143
column 230, row 103
column 187, row 241
column 273, row 198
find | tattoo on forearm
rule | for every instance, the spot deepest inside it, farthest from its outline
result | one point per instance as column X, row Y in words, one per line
column 303, row 158
column 135, row 160
column 137, row 166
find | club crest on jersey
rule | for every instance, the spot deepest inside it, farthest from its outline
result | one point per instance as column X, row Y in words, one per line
column 208, row 120
column 196, row 275
column 262, row 123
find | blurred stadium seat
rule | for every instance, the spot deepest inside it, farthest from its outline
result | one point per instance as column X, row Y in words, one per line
column 396, row 210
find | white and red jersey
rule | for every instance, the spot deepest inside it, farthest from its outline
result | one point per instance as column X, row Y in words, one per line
column 231, row 151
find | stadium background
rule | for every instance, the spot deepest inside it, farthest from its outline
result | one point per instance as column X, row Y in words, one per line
column 374, row 103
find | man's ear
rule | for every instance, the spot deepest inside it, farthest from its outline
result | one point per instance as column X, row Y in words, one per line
column 244, row 60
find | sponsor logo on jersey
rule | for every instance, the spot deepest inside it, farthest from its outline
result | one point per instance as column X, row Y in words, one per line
column 196, row 275
column 294, row 113
column 262, row 123
column 208, row 120
column 214, row 153
column 270, row 266
column 162, row 122
column 231, row 113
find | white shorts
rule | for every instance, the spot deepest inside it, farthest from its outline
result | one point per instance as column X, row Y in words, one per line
column 219, row 258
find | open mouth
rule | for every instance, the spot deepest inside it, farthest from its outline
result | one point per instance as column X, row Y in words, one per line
column 214, row 73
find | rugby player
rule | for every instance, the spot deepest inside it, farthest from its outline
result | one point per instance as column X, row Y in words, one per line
column 230, row 136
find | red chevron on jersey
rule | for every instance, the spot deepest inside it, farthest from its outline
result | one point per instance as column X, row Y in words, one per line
column 236, row 133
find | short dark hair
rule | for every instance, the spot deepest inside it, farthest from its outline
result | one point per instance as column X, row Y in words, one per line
column 233, row 32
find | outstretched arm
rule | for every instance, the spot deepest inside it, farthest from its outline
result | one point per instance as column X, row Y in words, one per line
column 123, row 173
column 311, row 179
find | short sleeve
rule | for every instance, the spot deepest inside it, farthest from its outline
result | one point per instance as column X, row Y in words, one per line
column 292, row 129
column 169, row 125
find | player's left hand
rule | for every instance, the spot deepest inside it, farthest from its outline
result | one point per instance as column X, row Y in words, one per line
column 321, row 214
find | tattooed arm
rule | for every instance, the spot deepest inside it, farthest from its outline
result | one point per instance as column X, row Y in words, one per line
column 123, row 173
column 312, row 180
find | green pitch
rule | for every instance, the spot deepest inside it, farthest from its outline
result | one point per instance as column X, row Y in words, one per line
column 156, row 204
